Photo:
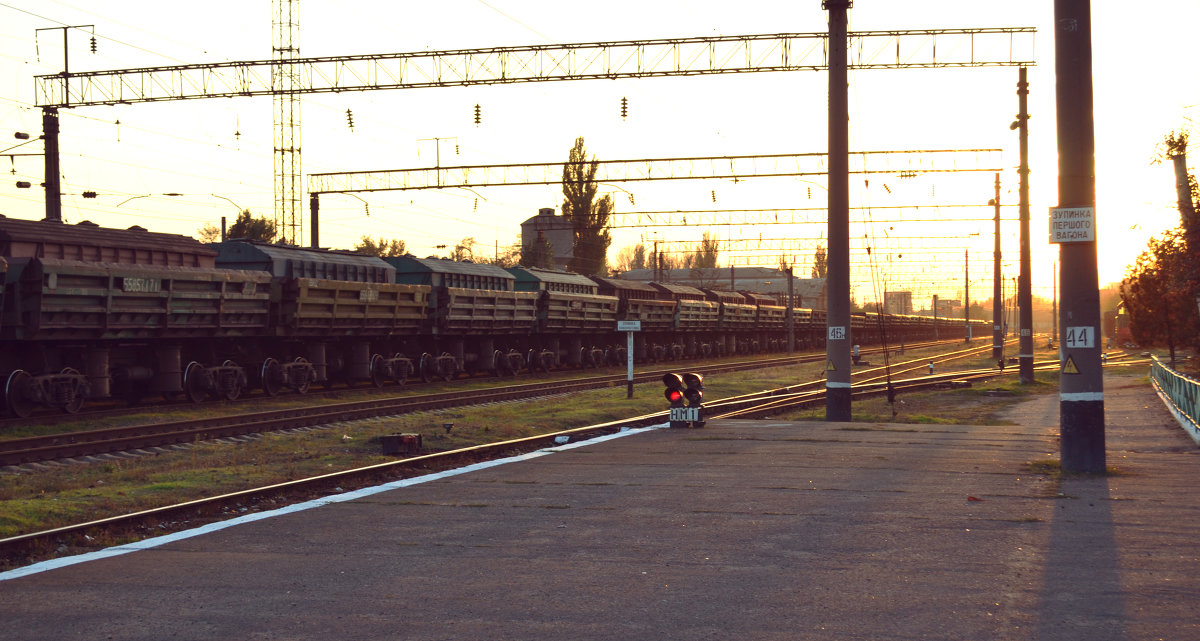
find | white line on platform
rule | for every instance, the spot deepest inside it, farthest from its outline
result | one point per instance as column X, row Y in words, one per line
column 146, row 544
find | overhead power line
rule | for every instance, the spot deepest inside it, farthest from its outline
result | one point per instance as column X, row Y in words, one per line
column 906, row 163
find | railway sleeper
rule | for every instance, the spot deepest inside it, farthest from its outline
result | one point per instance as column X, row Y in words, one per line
column 23, row 392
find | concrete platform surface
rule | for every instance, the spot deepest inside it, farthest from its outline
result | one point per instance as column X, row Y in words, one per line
column 742, row 530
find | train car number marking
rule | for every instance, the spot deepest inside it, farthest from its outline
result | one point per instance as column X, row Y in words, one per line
column 148, row 285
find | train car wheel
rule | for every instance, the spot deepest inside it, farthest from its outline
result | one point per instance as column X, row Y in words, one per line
column 307, row 380
column 400, row 367
column 272, row 377
column 17, row 392
column 195, row 382
column 426, row 368
column 498, row 364
column 447, row 366
column 379, row 371
column 232, row 381
column 515, row 362
column 78, row 392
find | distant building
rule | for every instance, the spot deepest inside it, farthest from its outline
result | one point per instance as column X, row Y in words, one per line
column 897, row 302
column 808, row 292
column 555, row 229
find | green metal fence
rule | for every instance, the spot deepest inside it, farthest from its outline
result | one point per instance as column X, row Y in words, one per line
column 1182, row 395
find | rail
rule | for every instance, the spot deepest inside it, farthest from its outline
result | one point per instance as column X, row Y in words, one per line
column 1181, row 394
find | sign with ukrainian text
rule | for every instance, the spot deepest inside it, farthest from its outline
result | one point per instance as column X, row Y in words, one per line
column 1073, row 225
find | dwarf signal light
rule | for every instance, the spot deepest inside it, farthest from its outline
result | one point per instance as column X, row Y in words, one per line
column 695, row 389
column 685, row 388
column 674, row 391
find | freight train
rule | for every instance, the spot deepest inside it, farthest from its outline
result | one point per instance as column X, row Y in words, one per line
column 97, row 313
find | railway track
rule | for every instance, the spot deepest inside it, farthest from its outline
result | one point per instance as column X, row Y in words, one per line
column 76, row 444
column 190, row 514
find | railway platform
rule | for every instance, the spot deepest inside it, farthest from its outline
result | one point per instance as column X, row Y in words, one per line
column 740, row 530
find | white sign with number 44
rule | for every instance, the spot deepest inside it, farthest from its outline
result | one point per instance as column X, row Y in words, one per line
column 1080, row 337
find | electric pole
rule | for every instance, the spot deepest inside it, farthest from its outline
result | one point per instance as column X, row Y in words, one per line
column 997, row 292
column 838, row 339
column 967, row 294
column 1081, row 388
column 1024, row 284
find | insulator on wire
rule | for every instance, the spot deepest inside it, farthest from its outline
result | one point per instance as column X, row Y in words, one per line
column 478, row 115
column 350, row 119
column 624, row 107
column 93, row 44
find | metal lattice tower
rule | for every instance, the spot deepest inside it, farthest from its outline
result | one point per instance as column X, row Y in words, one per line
column 285, row 82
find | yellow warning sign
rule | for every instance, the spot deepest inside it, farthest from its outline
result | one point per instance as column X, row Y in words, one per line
column 830, row 367
column 1069, row 366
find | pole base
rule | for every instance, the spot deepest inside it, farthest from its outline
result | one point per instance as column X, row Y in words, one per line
column 1082, row 437
column 837, row 404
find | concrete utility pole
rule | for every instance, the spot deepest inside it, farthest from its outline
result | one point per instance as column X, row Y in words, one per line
column 1024, row 284
column 53, row 188
column 997, row 290
column 1081, row 388
column 967, row 294
column 837, row 345
column 791, row 322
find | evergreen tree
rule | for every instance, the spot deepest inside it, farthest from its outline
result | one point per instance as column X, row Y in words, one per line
column 706, row 257
column 588, row 218
column 820, row 263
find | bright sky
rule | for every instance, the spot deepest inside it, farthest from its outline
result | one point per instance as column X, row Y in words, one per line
column 217, row 153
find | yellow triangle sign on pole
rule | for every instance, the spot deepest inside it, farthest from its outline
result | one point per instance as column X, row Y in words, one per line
column 830, row 367
column 1069, row 366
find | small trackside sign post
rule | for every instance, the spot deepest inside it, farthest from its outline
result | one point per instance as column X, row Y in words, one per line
column 1073, row 224
column 629, row 327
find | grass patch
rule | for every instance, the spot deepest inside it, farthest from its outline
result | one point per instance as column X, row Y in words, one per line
column 73, row 494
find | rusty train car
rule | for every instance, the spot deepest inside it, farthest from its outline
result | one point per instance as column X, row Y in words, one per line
column 92, row 313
